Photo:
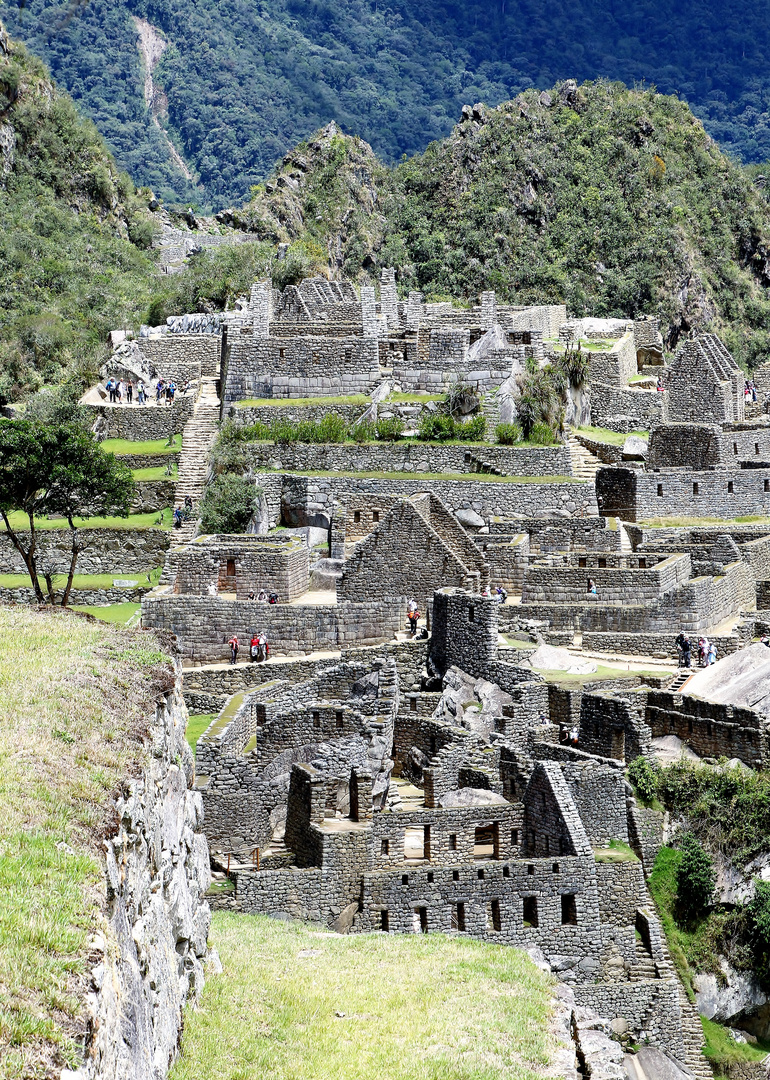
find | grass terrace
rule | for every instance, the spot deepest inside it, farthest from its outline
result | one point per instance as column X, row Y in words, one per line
column 196, row 725
column 159, row 472
column 287, row 403
column 483, row 478
column 294, row 1001
column 117, row 614
column 156, row 519
column 75, row 697
column 84, row 581
column 605, row 435
column 686, row 522
column 160, row 447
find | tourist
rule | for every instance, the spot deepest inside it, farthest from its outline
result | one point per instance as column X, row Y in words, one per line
column 251, row 596
column 272, row 598
column 410, row 607
column 129, row 392
column 660, row 387
column 501, row 594
column 573, row 737
column 170, row 391
column 188, row 504
column 262, row 598
column 178, row 518
column 254, row 647
column 413, row 616
column 712, row 657
column 264, row 648
column 591, row 587
column 233, row 643
column 120, row 390
column 140, row 396
column 158, row 391
column 110, row 386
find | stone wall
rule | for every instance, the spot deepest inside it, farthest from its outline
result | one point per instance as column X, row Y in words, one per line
column 312, row 366
column 635, row 495
column 138, row 423
column 157, row 872
column 650, row 1008
column 410, row 457
column 150, row 495
column 625, row 410
column 569, row 584
column 266, row 414
column 704, row 446
column 712, row 730
column 180, row 357
column 613, row 727
column 204, row 625
column 117, row 551
column 615, row 366
column 78, row 597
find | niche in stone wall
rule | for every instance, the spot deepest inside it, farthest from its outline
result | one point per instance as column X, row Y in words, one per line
column 486, row 844
column 530, row 911
column 568, row 910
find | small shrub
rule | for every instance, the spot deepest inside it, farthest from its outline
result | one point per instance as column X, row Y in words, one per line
column 390, row 428
column 332, row 428
column 283, row 431
column 644, row 775
column 364, row 431
column 436, row 427
column 474, row 429
column 694, row 878
column 229, row 504
column 508, row 434
column 542, row 434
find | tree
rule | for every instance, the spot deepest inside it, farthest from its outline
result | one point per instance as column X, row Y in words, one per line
column 56, row 468
column 694, row 878
column 229, row 504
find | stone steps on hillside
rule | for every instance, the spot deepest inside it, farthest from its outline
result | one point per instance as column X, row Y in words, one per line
column 198, row 438
column 584, row 463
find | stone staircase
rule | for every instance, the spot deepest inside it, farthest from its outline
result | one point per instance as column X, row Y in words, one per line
column 490, row 406
column 584, row 463
column 681, row 677
column 197, row 440
column 692, row 1033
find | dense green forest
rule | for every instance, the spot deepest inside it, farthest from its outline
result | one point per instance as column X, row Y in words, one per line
column 247, row 79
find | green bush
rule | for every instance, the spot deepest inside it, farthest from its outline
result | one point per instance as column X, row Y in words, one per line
column 694, row 878
column 229, row 504
column 508, row 434
column 390, row 428
column 644, row 775
column 332, row 428
column 437, row 427
column 474, row 429
column 542, row 434
column 364, row 431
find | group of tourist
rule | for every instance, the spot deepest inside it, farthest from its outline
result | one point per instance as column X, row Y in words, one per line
column 259, row 649
column 122, row 390
column 707, row 651
column 749, row 391
column 500, row 594
column 263, row 597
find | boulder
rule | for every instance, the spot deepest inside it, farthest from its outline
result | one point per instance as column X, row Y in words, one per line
column 670, row 749
column 470, row 519
column 650, row 1063
column 635, row 448
column 471, row 797
column 740, row 994
column 550, row 658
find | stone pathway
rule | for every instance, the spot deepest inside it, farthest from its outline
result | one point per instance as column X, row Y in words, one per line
column 198, row 438
column 584, row 464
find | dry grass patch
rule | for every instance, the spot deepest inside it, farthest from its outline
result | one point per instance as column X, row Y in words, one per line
column 297, row 1002
column 75, row 700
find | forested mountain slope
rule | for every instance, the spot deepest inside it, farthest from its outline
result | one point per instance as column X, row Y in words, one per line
column 614, row 201
column 247, row 79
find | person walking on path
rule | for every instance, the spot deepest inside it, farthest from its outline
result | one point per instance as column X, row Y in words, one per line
column 130, row 392
column 233, row 643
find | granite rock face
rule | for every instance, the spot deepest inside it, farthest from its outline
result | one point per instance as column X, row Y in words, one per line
column 155, row 931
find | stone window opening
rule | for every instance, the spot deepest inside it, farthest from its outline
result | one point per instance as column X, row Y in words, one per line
column 568, row 910
column 581, row 561
column 385, row 920
column 542, row 800
column 282, row 354
column 453, row 842
column 458, row 916
column 695, row 489
column 404, row 879
column 417, row 843
column 729, row 734
column 530, row 911
column 500, row 725
column 563, row 846
column 515, row 837
column 356, row 516
column 767, row 485
column 471, row 613
column 506, row 871
column 316, row 719
column 375, row 515
column 430, row 877
column 555, row 868
column 735, row 447
column 230, row 568
column 730, row 487
column 420, row 920
column 602, row 564
column 689, row 725
column 385, row 847
column 339, row 719
column 486, row 842
column 455, row 875
column 494, row 923
column 413, row 704
column 530, row 869
column 433, row 744
column 532, row 841
column 480, row 875
column 642, row 564
column 756, row 447
column 660, row 489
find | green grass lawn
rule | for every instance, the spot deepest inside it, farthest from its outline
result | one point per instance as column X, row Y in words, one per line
column 158, row 473
column 158, row 519
column 83, row 581
column 196, row 725
column 74, row 697
column 605, row 435
column 616, row 852
column 296, row 1002
column 684, row 522
column 118, row 614
column 488, row 478
column 603, row 671
column 149, row 446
